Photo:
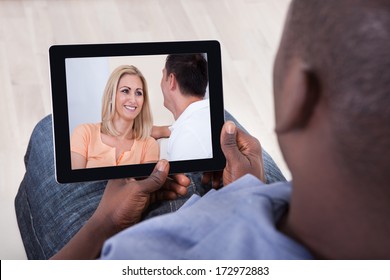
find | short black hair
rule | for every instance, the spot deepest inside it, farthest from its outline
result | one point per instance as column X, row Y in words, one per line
column 190, row 71
column 346, row 45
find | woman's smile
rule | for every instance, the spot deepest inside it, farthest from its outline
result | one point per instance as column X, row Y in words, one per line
column 130, row 108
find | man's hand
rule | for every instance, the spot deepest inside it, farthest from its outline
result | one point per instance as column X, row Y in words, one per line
column 122, row 205
column 124, row 200
column 243, row 155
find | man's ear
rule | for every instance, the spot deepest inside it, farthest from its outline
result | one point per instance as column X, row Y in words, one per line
column 298, row 96
column 172, row 81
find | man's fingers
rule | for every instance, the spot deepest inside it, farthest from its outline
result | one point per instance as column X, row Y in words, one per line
column 161, row 195
column 217, row 181
column 207, row 177
column 178, row 183
column 182, row 179
column 174, row 186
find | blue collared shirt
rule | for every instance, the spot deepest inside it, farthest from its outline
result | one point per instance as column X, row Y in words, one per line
column 236, row 222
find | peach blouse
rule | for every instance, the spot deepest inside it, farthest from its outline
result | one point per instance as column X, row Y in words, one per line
column 86, row 140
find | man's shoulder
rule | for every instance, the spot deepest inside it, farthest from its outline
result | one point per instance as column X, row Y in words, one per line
column 193, row 120
column 248, row 184
column 196, row 110
column 236, row 222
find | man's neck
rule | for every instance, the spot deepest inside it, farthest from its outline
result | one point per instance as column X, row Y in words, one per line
column 338, row 218
column 182, row 104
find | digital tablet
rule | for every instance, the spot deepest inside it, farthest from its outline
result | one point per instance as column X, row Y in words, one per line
column 93, row 108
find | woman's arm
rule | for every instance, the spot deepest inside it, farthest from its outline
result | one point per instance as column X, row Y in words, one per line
column 79, row 143
column 78, row 161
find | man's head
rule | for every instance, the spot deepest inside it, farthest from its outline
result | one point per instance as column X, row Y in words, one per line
column 184, row 78
column 332, row 79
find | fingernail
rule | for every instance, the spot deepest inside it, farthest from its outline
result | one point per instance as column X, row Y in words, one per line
column 230, row 127
column 161, row 165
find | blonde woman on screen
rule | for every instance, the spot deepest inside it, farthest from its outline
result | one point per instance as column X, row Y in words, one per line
column 123, row 135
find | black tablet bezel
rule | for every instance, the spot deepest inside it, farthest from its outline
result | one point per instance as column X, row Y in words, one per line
column 57, row 56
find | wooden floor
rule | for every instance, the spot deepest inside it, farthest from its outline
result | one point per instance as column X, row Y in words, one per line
column 248, row 30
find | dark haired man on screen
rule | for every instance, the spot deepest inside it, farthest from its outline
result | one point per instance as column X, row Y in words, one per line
column 184, row 84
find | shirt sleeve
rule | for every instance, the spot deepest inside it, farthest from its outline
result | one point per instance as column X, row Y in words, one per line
column 79, row 140
column 151, row 151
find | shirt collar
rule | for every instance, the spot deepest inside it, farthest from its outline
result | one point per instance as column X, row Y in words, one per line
column 193, row 107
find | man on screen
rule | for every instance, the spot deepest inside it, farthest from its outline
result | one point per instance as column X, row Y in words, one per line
column 184, row 84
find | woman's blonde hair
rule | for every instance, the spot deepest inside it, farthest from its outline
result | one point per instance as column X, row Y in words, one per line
column 143, row 122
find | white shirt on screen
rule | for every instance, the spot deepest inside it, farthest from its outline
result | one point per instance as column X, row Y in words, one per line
column 191, row 133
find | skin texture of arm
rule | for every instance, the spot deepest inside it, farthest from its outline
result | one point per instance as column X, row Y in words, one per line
column 78, row 161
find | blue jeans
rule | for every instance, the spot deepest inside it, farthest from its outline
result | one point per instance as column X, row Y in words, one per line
column 50, row 214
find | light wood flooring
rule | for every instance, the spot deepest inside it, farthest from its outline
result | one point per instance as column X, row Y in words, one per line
column 248, row 30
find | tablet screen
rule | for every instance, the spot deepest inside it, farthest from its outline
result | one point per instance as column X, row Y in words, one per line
column 107, row 97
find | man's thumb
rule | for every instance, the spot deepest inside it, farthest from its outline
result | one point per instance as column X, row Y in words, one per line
column 158, row 177
column 229, row 141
